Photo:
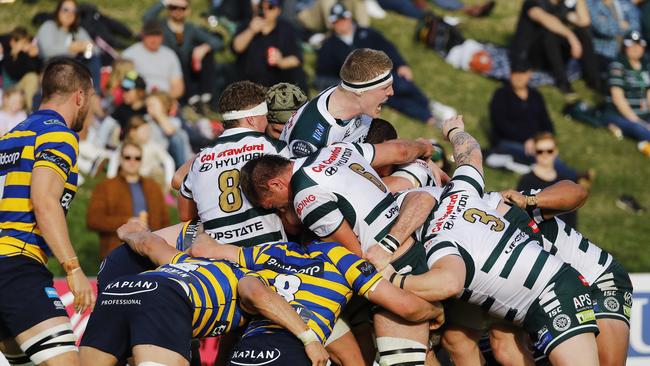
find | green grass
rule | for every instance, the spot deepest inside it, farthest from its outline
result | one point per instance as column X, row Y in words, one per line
column 620, row 168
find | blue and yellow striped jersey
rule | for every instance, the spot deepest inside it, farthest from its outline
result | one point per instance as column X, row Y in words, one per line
column 211, row 287
column 43, row 139
column 317, row 279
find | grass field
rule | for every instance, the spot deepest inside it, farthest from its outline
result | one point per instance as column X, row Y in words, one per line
column 620, row 168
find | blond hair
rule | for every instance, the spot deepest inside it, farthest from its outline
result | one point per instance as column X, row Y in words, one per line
column 119, row 70
column 364, row 64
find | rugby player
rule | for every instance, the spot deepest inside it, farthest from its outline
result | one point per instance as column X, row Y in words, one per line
column 153, row 315
column 225, row 212
column 283, row 100
column 343, row 113
column 483, row 258
column 38, row 175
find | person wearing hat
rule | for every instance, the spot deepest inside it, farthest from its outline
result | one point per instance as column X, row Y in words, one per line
column 347, row 36
column 283, row 100
column 267, row 48
column 628, row 102
column 194, row 47
column 167, row 76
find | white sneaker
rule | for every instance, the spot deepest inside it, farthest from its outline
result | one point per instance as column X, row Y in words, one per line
column 375, row 10
column 441, row 111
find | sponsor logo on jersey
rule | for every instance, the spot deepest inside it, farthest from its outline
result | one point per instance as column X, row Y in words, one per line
column 231, row 161
column 219, row 328
column 9, row 158
column 304, row 203
column 255, row 357
column 335, row 158
column 318, row 132
column 205, row 167
column 129, row 287
column 54, row 122
column 366, row 268
column 582, row 279
column 302, row 148
column 544, row 337
column 239, row 150
column 586, row 316
column 331, row 171
column 51, row 157
column 59, row 305
column 611, row 304
column 237, row 232
column 457, row 203
column 582, row 301
column 121, row 302
column 315, row 269
column 561, row 322
column 66, row 199
column 51, row 293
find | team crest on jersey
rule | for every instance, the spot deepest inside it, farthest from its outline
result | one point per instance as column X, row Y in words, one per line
column 561, row 322
column 611, row 304
column 302, row 148
column 219, row 328
column 366, row 268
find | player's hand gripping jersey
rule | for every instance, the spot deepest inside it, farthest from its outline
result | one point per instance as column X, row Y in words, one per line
column 313, row 127
column 211, row 290
column 506, row 269
column 317, row 279
column 43, row 140
column 337, row 183
column 213, row 183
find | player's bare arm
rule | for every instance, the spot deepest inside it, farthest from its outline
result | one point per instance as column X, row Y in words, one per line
column 444, row 280
column 467, row 150
column 206, row 247
column 401, row 151
column 146, row 243
column 346, row 237
column 406, row 304
column 561, row 197
column 46, row 190
column 256, row 298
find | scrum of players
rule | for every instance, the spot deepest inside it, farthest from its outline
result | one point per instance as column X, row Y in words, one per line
column 339, row 242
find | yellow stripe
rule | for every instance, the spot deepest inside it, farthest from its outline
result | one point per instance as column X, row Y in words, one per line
column 28, row 152
column 11, row 246
column 17, row 134
column 18, row 179
column 47, row 164
column 197, row 305
column 327, row 284
column 208, row 301
column 314, row 326
column 365, row 288
column 16, row 205
column 66, row 137
column 333, row 306
column 21, row 226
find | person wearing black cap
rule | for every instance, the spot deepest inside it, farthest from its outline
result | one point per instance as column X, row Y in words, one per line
column 628, row 103
column 267, row 48
column 167, row 75
column 347, row 36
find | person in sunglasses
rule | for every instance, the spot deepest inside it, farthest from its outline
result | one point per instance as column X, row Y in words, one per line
column 628, row 103
column 114, row 201
column 543, row 173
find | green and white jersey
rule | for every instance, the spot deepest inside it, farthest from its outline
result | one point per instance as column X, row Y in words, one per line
column 417, row 172
column 571, row 246
column 337, row 183
column 213, row 183
column 506, row 269
column 313, row 127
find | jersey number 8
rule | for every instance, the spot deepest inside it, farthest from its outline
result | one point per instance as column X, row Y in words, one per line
column 230, row 199
column 287, row 286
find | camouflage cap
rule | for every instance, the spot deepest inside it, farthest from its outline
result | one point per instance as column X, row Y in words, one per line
column 283, row 99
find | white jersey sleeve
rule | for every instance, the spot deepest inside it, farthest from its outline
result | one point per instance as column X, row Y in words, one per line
column 468, row 179
column 318, row 210
column 417, row 172
column 437, row 249
column 186, row 186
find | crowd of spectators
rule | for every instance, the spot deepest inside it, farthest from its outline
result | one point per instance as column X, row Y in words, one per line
column 157, row 90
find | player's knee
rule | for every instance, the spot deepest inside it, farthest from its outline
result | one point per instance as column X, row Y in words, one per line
column 456, row 342
column 50, row 343
column 504, row 350
column 397, row 351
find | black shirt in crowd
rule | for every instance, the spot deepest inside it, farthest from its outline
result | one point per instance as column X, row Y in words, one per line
column 531, row 181
column 514, row 119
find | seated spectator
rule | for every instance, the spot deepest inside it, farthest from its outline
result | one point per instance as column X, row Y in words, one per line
column 346, row 37
column 13, row 109
column 112, row 90
column 64, row 37
column 316, row 17
column 114, row 201
column 157, row 164
column 416, row 9
column 167, row 75
column 544, row 173
column 112, row 128
column 195, row 49
column 610, row 21
column 166, row 128
column 518, row 113
column 282, row 100
column 548, row 33
column 21, row 64
column 629, row 98
column 267, row 49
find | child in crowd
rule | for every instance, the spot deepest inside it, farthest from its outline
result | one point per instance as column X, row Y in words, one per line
column 13, row 109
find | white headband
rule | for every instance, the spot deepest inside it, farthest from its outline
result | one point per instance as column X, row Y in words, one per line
column 378, row 82
column 258, row 110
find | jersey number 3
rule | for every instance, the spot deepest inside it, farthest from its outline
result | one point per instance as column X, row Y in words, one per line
column 230, row 199
column 473, row 214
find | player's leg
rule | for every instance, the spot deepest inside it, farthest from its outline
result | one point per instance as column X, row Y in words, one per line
column 343, row 347
column 50, row 343
column 150, row 355
column 365, row 338
column 579, row 350
column 613, row 341
column 509, row 345
column 92, row 356
column 461, row 344
column 12, row 352
column 399, row 341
